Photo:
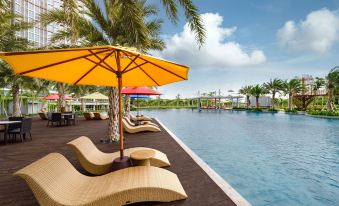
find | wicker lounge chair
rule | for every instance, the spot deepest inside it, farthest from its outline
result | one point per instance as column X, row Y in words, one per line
column 141, row 122
column 96, row 162
column 88, row 115
column 100, row 116
column 140, row 128
column 43, row 116
column 54, row 181
column 139, row 118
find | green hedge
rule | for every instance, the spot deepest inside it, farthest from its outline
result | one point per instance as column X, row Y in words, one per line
column 323, row 113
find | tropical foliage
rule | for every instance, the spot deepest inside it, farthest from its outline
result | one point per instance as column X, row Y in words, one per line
column 119, row 22
column 246, row 90
column 274, row 86
column 257, row 91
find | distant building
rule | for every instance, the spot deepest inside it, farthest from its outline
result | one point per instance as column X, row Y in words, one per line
column 264, row 101
column 30, row 10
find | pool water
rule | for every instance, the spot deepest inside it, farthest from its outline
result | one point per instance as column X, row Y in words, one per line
column 270, row 159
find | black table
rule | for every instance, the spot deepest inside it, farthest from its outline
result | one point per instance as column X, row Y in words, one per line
column 6, row 123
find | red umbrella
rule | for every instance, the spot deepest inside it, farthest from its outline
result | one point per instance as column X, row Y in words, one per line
column 139, row 91
column 56, row 97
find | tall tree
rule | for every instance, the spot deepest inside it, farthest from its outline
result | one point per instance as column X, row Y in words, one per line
column 67, row 17
column 290, row 88
column 10, row 25
column 126, row 23
column 246, row 90
column 332, row 84
column 274, row 86
column 257, row 91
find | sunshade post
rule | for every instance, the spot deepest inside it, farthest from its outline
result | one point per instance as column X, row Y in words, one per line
column 121, row 138
column 137, row 104
column 119, row 76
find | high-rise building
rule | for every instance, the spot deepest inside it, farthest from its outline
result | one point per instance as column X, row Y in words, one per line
column 30, row 11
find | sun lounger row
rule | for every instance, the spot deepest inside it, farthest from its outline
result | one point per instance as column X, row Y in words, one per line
column 54, row 181
column 95, row 115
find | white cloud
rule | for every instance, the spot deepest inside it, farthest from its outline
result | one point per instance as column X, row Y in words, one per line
column 317, row 33
column 217, row 52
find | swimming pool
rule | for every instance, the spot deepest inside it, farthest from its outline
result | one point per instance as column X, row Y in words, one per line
column 270, row 159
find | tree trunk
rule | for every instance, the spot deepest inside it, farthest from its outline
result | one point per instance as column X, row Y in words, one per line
column 257, row 101
column 248, row 103
column 83, row 105
column 290, row 100
column 61, row 93
column 273, row 100
column 127, row 106
column 113, row 113
column 330, row 104
column 16, row 100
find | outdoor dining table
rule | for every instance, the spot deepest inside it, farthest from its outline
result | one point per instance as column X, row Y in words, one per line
column 66, row 117
column 6, row 123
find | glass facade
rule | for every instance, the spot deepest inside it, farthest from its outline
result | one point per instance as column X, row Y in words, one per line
column 30, row 11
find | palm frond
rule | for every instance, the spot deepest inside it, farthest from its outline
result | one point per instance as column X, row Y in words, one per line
column 194, row 20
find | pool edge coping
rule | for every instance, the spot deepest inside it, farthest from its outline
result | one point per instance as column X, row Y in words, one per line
column 224, row 186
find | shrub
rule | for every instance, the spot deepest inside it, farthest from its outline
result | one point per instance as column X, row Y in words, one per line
column 323, row 113
column 291, row 110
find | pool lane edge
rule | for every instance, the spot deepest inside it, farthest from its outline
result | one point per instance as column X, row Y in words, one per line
column 224, row 186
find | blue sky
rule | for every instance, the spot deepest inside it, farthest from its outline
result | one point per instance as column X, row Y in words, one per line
column 250, row 42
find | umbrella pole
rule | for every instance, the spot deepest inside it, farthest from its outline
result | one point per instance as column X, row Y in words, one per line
column 121, row 138
column 137, row 104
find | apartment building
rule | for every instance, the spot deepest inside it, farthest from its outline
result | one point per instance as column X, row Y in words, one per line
column 30, row 11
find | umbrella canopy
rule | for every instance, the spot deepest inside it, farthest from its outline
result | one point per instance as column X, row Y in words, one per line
column 95, row 95
column 139, row 91
column 101, row 66
column 96, row 66
column 56, row 97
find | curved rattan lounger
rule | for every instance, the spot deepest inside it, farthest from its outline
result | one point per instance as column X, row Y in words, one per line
column 96, row 162
column 100, row 116
column 139, row 118
column 142, row 122
column 88, row 116
column 54, row 181
column 140, row 128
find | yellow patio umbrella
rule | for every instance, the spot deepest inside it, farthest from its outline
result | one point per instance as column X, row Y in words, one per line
column 101, row 66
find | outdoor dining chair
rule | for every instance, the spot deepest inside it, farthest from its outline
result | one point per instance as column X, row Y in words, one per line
column 74, row 119
column 23, row 130
column 54, row 118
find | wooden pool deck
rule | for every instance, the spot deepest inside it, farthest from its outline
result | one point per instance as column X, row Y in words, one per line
column 200, row 188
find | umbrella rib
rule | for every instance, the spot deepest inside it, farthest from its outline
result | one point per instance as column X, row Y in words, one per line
column 160, row 59
column 57, row 63
column 160, row 67
column 137, row 66
column 149, row 76
column 104, row 61
column 135, row 58
column 97, row 64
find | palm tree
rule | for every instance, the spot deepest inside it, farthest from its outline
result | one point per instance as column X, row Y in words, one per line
column 68, row 17
column 273, row 86
column 9, row 41
column 332, row 84
column 125, row 23
column 36, row 88
column 291, row 87
column 257, row 91
column 246, row 90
